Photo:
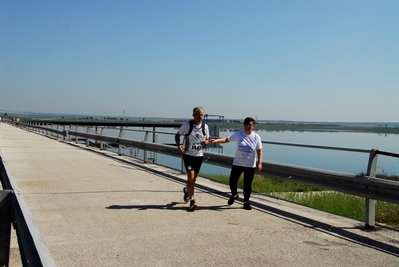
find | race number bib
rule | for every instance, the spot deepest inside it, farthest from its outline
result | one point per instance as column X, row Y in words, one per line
column 196, row 147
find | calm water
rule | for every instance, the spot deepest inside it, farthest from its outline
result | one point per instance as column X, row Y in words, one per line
column 342, row 161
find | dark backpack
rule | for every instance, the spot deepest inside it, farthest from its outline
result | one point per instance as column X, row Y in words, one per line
column 192, row 126
column 189, row 132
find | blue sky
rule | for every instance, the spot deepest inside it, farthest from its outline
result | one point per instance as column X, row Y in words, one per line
column 273, row 60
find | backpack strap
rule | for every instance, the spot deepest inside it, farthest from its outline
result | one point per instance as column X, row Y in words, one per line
column 192, row 125
column 186, row 141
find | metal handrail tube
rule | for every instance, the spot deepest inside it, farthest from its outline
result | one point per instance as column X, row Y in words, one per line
column 146, row 131
column 390, row 154
column 354, row 184
column 318, row 147
column 62, row 133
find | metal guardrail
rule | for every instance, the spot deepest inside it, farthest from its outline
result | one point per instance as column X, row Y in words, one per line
column 363, row 185
column 14, row 211
column 46, row 129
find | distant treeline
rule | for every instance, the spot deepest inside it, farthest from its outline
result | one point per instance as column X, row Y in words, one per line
column 231, row 125
column 302, row 127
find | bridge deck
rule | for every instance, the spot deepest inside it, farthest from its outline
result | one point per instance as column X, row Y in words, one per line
column 97, row 209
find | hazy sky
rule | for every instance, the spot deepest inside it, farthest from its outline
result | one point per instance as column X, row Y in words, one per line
column 305, row 60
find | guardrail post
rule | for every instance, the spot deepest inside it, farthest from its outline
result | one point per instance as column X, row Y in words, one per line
column 155, row 141
column 51, row 132
column 100, row 131
column 5, row 226
column 65, row 132
column 145, row 151
column 88, row 140
column 76, row 137
column 57, row 130
column 370, row 203
column 69, row 136
column 120, row 147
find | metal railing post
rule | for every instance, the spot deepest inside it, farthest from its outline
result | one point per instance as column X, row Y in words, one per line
column 145, row 151
column 65, row 132
column 76, row 137
column 88, row 140
column 57, row 130
column 100, row 131
column 370, row 203
column 69, row 136
column 120, row 147
column 155, row 141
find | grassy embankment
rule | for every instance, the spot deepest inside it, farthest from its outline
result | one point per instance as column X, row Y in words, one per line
column 318, row 198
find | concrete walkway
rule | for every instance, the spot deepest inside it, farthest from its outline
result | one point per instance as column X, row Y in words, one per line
column 97, row 209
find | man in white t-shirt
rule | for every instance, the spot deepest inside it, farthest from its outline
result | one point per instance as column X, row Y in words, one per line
column 196, row 138
column 247, row 159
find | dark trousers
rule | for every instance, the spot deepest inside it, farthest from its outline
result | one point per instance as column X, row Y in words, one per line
column 235, row 174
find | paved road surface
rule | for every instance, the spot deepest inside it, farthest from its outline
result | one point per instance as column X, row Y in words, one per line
column 98, row 209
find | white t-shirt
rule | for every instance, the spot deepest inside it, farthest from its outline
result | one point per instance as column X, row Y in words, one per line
column 246, row 148
column 194, row 147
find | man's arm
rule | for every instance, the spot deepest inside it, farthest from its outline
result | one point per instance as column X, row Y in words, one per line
column 180, row 147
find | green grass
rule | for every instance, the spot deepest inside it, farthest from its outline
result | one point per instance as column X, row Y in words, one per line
column 330, row 201
column 333, row 202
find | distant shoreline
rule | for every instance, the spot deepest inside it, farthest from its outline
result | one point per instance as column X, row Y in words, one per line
column 303, row 127
column 231, row 124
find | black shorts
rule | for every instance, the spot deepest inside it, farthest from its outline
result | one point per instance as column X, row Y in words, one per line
column 192, row 163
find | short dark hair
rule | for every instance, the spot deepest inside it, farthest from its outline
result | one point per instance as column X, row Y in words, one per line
column 248, row 120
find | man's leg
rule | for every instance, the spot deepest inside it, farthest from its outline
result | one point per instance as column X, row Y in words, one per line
column 191, row 179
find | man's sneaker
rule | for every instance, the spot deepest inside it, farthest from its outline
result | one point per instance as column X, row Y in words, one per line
column 193, row 206
column 232, row 199
column 185, row 197
column 247, row 206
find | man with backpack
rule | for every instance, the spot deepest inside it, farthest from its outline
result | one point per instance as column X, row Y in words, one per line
column 196, row 138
